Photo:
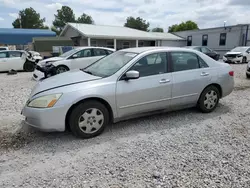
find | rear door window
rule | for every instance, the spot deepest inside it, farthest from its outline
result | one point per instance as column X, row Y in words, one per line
column 15, row 54
column 182, row 61
column 99, row 52
column 205, row 50
column 84, row 53
column 3, row 54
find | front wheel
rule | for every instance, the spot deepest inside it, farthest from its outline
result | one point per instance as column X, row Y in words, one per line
column 88, row 119
column 61, row 69
column 29, row 66
column 209, row 99
column 248, row 76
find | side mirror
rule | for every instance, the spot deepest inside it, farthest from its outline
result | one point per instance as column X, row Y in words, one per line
column 74, row 56
column 132, row 75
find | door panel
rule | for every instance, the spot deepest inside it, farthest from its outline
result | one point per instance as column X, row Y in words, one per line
column 152, row 91
column 4, row 66
column 16, row 63
column 190, row 77
column 143, row 94
column 16, row 60
column 187, row 86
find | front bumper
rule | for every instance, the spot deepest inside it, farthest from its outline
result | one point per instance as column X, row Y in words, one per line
column 46, row 119
column 232, row 60
column 37, row 75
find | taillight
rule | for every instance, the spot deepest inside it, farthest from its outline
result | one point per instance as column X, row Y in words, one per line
column 231, row 73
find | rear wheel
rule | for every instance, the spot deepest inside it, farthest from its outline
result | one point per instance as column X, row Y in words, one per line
column 61, row 68
column 29, row 66
column 209, row 99
column 244, row 60
column 88, row 119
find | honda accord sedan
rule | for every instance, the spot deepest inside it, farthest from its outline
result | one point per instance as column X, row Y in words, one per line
column 126, row 84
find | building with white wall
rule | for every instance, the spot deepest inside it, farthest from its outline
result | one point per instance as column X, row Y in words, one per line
column 220, row 39
column 117, row 37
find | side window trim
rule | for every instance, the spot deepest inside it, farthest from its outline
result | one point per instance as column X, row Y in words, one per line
column 172, row 62
column 166, row 65
column 7, row 54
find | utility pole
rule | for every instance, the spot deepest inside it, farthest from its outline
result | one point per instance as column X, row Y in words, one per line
column 20, row 20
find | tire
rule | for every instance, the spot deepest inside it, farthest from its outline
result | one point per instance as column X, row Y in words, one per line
column 248, row 76
column 61, row 69
column 205, row 104
column 244, row 60
column 29, row 66
column 88, row 119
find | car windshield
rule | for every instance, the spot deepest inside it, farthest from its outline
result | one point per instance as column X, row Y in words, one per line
column 69, row 53
column 110, row 64
column 239, row 49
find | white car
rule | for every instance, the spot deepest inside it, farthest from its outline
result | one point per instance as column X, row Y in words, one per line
column 15, row 60
column 77, row 58
column 3, row 48
column 238, row 55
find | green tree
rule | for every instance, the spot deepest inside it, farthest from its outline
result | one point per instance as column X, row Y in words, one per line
column 52, row 28
column 86, row 19
column 30, row 19
column 184, row 26
column 63, row 16
column 158, row 29
column 137, row 23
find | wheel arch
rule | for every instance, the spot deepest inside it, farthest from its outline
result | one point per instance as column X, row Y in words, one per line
column 218, row 86
column 102, row 101
column 62, row 65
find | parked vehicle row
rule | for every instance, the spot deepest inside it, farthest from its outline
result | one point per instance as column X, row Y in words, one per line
column 125, row 84
column 18, row 60
column 238, row 55
column 211, row 53
column 74, row 59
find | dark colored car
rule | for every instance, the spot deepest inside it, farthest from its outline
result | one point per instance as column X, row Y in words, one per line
column 206, row 51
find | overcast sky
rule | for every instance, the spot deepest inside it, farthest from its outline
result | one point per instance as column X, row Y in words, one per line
column 160, row 13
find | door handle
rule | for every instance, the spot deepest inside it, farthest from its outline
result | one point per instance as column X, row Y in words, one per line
column 163, row 81
column 204, row 74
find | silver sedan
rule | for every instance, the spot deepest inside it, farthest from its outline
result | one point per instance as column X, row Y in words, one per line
column 126, row 84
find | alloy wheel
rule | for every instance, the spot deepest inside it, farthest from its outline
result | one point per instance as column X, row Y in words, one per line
column 91, row 121
column 61, row 70
column 211, row 99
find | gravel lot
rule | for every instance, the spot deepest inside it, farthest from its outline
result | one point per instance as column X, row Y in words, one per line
column 178, row 149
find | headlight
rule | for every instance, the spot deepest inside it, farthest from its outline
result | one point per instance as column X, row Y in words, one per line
column 240, row 55
column 47, row 101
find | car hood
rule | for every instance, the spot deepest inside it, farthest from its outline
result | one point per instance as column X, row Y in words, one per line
column 63, row 79
column 52, row 59
column 233, row 53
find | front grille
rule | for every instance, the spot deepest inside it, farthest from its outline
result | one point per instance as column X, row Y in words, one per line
column 231, row 55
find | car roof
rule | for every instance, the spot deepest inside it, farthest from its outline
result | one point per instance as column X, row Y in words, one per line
column 12, row 51
column 147, row 49
column 87, row 47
